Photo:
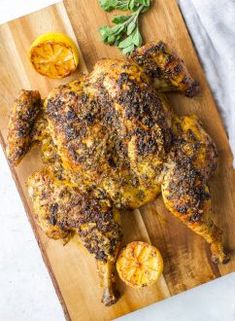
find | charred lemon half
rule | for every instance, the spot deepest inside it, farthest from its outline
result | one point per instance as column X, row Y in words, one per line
column 139, row 264
column 54, row 55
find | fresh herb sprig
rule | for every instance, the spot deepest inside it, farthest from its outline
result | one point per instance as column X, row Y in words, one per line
column 133, row 5
column 125, row 34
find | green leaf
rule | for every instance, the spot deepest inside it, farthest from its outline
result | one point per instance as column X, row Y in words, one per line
column 111, row 39
column 123, row 5
column 108, row 5
column 120, row 19
column 137, row 38
column 116, row 29
column 119, row 36
column 126, row 42
column 119, row 29
column 130, row 28
column 131, row 5
column 128, row 49
column 146, row 3
column 104, row 32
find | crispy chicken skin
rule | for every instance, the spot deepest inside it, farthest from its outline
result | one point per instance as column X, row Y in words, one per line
column 166, row 68
column 191, row 162
column 109, row 141
column 112, row 131
column 23, row 117
column 63, row 210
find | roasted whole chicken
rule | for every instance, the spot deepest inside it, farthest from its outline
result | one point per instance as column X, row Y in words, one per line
column 110, row 141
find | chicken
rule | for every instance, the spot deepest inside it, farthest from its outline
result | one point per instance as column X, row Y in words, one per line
column 63, row 210
column 110, row 141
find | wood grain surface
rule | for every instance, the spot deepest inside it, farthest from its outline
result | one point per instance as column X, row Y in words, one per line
column 186, row 255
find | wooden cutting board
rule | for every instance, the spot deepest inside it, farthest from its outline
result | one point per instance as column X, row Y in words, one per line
column 186, row 255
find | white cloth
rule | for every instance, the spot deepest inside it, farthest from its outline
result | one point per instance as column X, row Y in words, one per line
column 212, row 27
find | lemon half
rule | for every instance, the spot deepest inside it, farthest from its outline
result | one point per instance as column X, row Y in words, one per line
column 139, row 264
column 54, row 55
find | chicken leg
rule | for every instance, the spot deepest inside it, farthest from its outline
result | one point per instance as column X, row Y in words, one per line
column 186, row 195
column 63, row 210
column 188, row 198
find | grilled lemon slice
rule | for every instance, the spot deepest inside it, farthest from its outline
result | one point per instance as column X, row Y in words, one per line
column 139, row 264
column 54, row 55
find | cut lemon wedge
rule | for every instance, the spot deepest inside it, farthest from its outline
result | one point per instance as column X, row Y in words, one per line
column 139, row 264
column 54, row 55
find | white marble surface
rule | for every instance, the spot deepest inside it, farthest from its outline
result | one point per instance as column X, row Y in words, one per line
column 213, row 301
column 12, row 9
column 26, row 291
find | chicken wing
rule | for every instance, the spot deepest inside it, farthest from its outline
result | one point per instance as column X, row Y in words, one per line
column 24, row 114
column 166, row 68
